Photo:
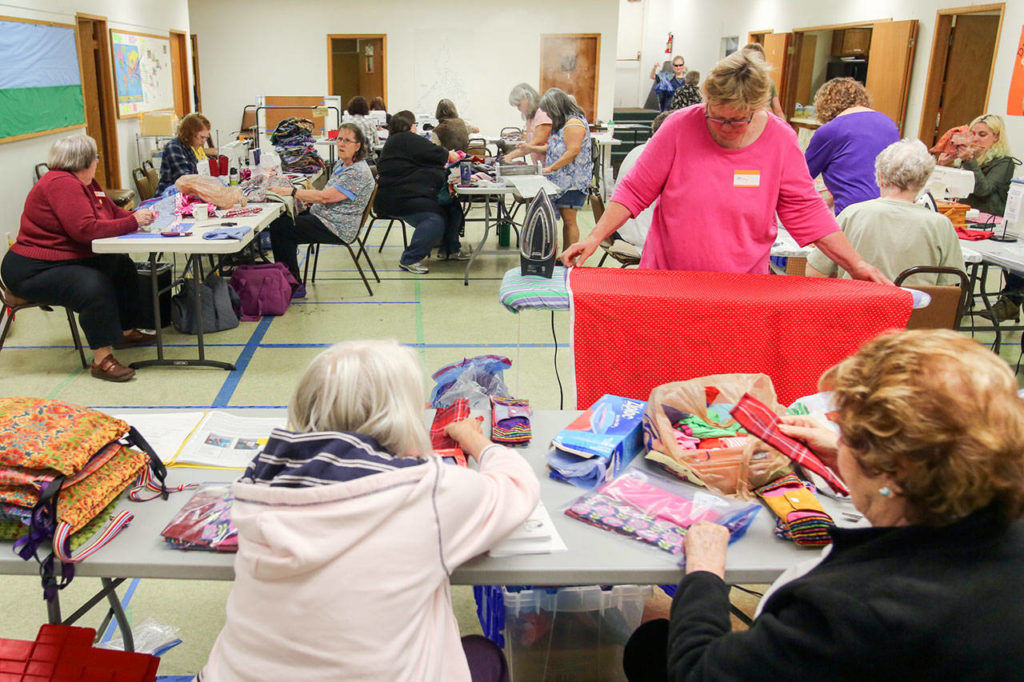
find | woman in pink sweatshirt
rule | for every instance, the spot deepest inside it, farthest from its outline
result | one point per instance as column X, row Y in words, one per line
column 721, row 172
column 349, row 529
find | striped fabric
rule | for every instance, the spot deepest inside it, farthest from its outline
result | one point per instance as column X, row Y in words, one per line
column 518, row 292
column 303, row 460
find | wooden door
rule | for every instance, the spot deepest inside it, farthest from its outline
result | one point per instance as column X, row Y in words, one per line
column 968, row 66
column 570, row 61
column 179, row 73
column 371, row 70
column 889, row 63
column 776, row 53
column 97, row 88
column 805, row 50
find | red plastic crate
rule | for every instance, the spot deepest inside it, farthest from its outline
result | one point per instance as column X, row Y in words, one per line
column 62, row 653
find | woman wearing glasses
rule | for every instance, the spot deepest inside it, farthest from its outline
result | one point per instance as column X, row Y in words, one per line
column 666, row 82
column 722, row 172
column 336, row 211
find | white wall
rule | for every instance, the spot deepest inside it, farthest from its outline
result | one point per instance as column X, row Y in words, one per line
column 472, row 52
column 18, row 159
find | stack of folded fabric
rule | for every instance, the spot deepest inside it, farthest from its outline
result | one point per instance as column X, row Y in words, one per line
column 293, row 141
column 510, row 422
column 801, row 518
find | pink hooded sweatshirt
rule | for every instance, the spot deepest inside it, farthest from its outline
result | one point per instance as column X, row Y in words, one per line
column 350, row 581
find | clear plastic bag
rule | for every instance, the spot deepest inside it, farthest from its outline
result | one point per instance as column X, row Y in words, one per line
column 210, row 190
column 475, row 379
column 149, row 636
column 658, row 511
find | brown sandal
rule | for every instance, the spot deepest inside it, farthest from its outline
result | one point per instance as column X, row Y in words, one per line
column 110, row 369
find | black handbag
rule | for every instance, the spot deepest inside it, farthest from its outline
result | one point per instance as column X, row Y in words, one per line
column 219, row 303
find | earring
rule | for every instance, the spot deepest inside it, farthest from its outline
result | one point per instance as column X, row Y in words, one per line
column 885, row 491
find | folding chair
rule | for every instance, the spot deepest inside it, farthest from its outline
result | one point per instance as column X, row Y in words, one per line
column 142, row 184
column 948, row 302
column 11, row 304
column 313, row 249
column 619, row 249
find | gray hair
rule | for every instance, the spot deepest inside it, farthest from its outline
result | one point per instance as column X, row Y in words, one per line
column 524, row 91
column 560, row 106
column 72, row 153
column 905, row 164
column 374, row 388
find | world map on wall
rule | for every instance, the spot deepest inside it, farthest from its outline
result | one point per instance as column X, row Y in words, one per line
column 142, row 72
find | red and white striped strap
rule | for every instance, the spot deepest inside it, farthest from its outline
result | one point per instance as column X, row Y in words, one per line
column 62, row 539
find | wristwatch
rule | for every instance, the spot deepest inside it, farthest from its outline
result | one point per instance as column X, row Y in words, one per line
column 294, row 190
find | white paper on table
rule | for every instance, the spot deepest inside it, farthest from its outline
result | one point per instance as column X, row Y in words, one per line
column 536, row 535
column 223, row 440
column 165, row 431
column 1014, row 205
column 530, row 186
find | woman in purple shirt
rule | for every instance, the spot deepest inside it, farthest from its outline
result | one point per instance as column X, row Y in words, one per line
column 843, row 150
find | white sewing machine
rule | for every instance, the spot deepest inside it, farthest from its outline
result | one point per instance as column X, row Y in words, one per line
column 950, row 183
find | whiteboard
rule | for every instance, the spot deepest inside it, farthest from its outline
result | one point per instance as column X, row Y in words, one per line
column 142, row 72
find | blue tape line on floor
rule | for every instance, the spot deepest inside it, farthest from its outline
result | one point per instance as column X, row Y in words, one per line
column 231, row 383
column 124, row 606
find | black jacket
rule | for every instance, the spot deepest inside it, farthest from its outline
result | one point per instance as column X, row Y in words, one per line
column 911, row 603
column 410, row 173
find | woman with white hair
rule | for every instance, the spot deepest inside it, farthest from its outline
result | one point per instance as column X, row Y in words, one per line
column 349, row 528
column 568, row 161
column 52, row 261
column 537, row 124
column 893, row 232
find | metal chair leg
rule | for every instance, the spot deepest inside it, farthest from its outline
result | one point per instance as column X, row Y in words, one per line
column 359, row 268
column 76, row 337
column 364, row 253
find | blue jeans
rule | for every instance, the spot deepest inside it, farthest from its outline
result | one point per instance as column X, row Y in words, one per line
column 430, row 228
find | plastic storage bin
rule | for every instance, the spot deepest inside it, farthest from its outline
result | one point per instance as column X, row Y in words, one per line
column 571, row 633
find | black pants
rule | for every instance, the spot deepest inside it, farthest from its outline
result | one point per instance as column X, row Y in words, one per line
column 286, row 235
column 645, row 658
column 1014, row 289
column 103, row 290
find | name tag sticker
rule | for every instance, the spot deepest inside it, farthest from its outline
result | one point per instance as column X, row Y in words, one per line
column 99, row 194
column 746, row 178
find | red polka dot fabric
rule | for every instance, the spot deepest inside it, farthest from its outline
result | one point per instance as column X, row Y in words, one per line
column 633, row 330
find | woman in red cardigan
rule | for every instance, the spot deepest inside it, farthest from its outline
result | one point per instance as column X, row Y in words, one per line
column 52, row 261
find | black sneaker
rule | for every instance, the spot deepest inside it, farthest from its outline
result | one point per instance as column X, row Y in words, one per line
column 1003, row 311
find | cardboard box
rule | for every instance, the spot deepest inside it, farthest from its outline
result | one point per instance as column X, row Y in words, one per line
column 158, row 123
column 611, row 428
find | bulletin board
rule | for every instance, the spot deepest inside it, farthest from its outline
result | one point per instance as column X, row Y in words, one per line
column 40, row 80
column 142, row 72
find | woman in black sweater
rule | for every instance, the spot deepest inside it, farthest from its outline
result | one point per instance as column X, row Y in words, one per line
column 932, row 449
column 412, row 179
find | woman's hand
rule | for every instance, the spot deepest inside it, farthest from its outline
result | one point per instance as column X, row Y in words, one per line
column 547, row 171
column 870, row 273
column 144, row 216
column 965, row 152
column 822, row 440
column 705, row 544
column 469, row 435
column 453, row 156
column 578, row 253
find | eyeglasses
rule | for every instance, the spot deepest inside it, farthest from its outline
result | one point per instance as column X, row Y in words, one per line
column 678, row 66
column 731, row 122
column 342, row 140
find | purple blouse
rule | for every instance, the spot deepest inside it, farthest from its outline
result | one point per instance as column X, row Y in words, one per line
column 843, row 151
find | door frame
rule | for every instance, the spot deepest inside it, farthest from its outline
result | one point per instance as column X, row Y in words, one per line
column 183, row 91
column 937, row 62
column 359, row 36
column 753, row 36
column 597, row 61
column 789, row 97
column 197, row 93
column 110, row 147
